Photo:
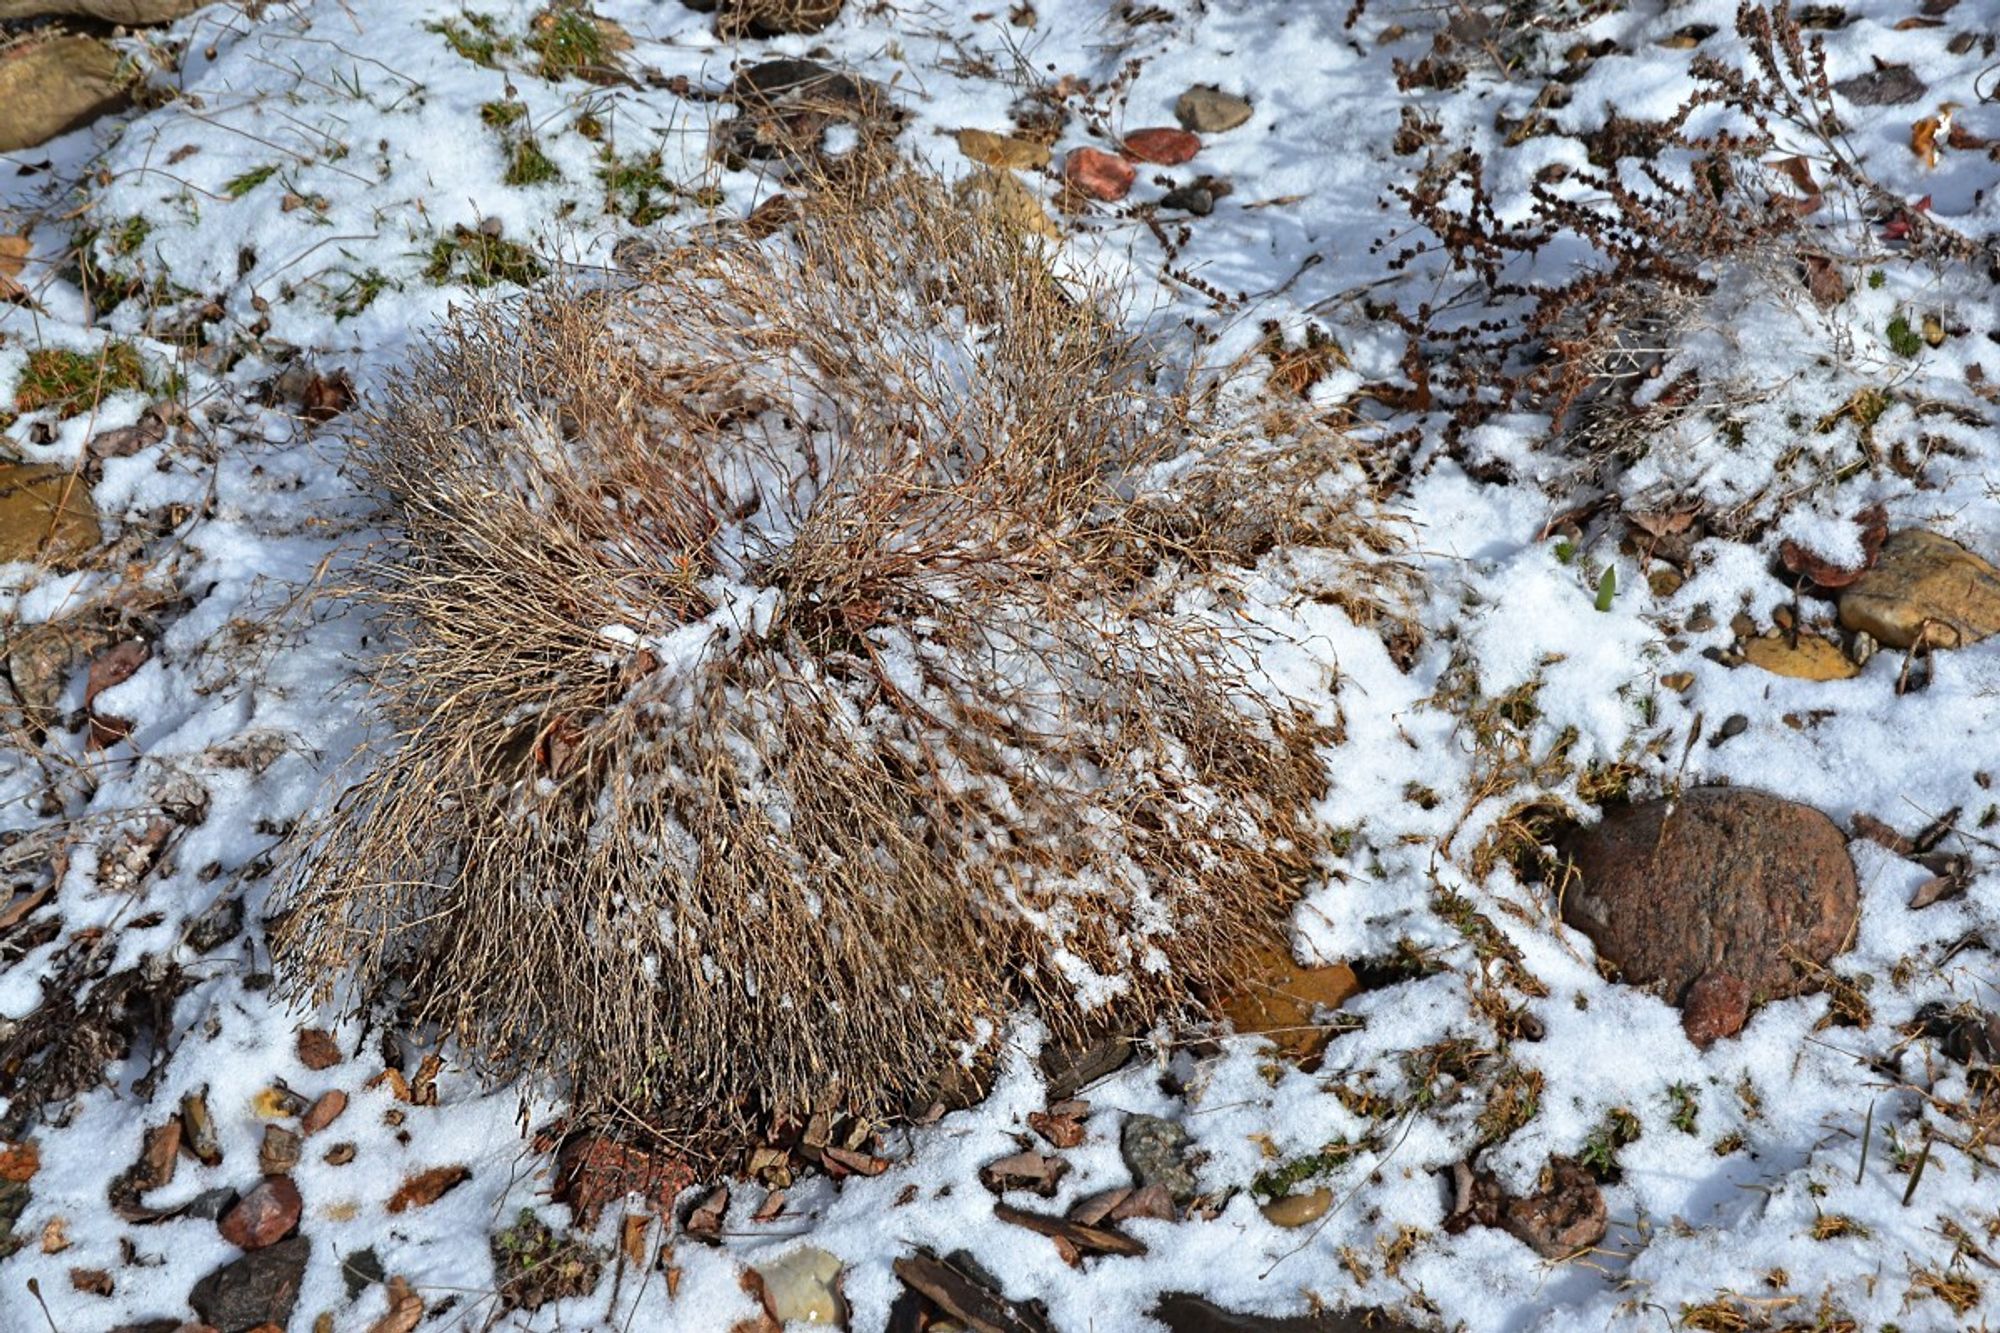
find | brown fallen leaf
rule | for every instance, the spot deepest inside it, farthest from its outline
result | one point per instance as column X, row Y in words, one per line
column 399, row 1087
column 18, row 911
column 1937, row 889
column 91, row 1281
column 1881, row 834
column 706, row 1220
column 112, row 669
column 423, row 1088
column 632, row 1229
column 594, row 1170
column 406, row 1309
column 158, row 1156
column 13, row 258
column 1154, row 1201
column 317, row 1049
column 1061, row 1124
column 1963, row 139
column 124, row 441
column 1824, row 280
column 1024, row 1171
column 1929, row 135
column 1798, row 171
column 1281, row 999
column 327, row 396
column 427, row 1187
column 20, row 1161
column 326, row 1109
column 1874, row 524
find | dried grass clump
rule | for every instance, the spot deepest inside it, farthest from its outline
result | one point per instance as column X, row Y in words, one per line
column 782, row 687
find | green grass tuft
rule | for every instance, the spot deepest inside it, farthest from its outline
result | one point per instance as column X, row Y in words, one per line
column 478, row 260
column 359, row 293
column 527, row 164
column 75, row 382
column 637, row 189
column 249, row 180
column 1600, row 1151
column 475, row 37
column 568, row 43
column 1686, row 1107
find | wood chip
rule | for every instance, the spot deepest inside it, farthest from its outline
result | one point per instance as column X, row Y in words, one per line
column 1089, row 1239
column 17, row 911
column 970, row 1302
column 1094, row 1208
column 853, row 1163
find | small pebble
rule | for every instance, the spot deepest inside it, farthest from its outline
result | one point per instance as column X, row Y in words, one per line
column 1101, row 175
column 1297, row 1210
column 1162, row 146
column 1208, row 110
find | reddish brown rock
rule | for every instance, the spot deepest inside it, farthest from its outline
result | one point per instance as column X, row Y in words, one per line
column 264, row 1216
column 324, row 1111
column 1716, row 1006
column 1099, row 174
column 1162, row 145
column 279, row 1152
column 592, row 1171
column 1708, row 904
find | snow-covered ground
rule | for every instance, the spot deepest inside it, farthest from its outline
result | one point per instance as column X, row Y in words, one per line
column 311, row 192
